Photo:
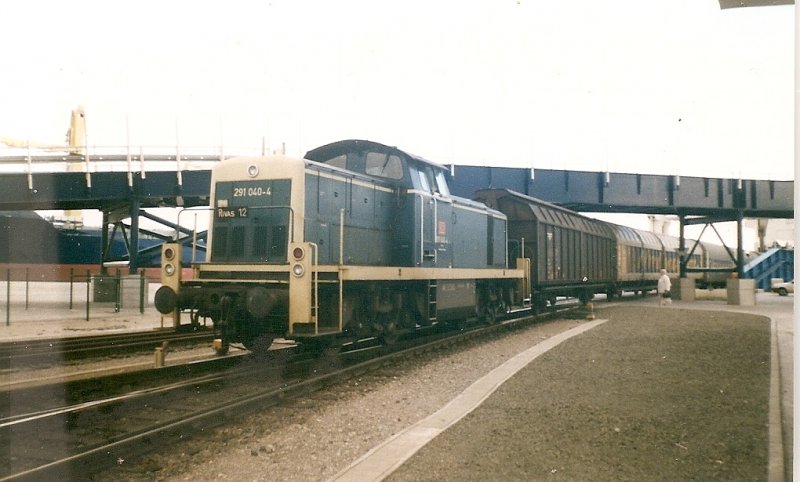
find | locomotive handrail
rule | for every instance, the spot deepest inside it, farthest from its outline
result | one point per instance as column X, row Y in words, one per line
column 194, row 229
column 315, row 285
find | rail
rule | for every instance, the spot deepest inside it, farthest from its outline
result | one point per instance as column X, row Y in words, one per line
column 82, row 449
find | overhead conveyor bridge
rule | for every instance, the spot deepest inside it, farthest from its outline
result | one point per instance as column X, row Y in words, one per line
column 695, row 200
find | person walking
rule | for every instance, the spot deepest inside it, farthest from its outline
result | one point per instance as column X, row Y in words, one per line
column 664, row 289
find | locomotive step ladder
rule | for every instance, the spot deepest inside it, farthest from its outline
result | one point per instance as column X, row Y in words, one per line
column 432, row 289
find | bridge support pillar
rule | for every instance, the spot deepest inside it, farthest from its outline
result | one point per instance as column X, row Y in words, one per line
column 741, row 292
column 683, row 289
column 133, row 249
column 105, row 245
column 739, row 244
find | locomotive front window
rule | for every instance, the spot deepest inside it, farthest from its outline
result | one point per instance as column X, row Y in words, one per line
column 251, row 221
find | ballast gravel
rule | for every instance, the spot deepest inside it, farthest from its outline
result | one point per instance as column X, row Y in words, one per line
column 315, row 437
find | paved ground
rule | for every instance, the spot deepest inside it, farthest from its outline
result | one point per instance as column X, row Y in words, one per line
column 48, row 313
column 726, row 439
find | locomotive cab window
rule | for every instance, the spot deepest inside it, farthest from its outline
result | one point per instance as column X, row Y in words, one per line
column 381, row 164
column 441, row 183
column 338, row 161
column 430, row 182
column 424, row 182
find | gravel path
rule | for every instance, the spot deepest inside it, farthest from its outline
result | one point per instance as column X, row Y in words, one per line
column 579, row 402
column 314, row 438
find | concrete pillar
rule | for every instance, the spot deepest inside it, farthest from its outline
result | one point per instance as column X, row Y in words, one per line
column 683, row 289
column 741, row 292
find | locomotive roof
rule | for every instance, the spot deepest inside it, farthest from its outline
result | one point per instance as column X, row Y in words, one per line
column 329, row 151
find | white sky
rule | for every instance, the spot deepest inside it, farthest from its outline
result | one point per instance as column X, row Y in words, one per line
column 672, row 87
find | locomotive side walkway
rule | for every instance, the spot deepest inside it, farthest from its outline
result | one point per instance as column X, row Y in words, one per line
column 695, row 409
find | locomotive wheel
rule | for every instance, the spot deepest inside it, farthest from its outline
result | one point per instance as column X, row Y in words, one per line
column 258, row 344
column 389, row 335
column 355, row 331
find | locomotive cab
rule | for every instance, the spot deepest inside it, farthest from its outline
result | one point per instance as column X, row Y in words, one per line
column 422, row 201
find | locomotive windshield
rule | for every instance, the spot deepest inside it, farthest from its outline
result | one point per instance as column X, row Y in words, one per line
column 374, row 163
column 385, row 165
column 251, row 221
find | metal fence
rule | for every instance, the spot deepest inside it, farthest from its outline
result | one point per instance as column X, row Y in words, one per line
column 84, row 293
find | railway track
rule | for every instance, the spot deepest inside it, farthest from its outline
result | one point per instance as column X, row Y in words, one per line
column 47, row 351
column 75, row 440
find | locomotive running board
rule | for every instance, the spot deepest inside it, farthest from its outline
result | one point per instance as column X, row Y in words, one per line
column 367, row 273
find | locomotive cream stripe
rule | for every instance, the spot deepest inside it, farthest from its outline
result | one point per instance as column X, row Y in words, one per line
column 366, row 273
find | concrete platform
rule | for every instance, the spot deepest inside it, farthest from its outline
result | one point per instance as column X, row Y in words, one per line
column 48, row 313
column 380, row 462
column 58, row 321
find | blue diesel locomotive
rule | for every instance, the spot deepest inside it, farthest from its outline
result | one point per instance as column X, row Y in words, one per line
column 357, row 240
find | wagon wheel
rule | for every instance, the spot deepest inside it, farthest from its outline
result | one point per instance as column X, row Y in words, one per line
column 490, row 314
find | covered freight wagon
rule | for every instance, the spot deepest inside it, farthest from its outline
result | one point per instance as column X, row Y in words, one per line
column 571, row 255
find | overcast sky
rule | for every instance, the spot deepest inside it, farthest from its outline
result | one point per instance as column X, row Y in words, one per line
column 673, row 87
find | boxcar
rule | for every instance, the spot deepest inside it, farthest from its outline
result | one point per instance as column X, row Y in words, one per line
column 571, row 255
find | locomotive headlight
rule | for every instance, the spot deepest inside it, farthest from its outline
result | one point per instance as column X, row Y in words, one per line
column 298, row 270
column 252, row 170
column 169, row 253
column 169, row 268
column 298, row 253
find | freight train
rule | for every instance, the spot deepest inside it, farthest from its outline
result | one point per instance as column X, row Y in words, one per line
column 363, row 240
column 577, row 256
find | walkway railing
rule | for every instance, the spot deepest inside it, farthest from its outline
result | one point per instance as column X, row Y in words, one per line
column 133, row 160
